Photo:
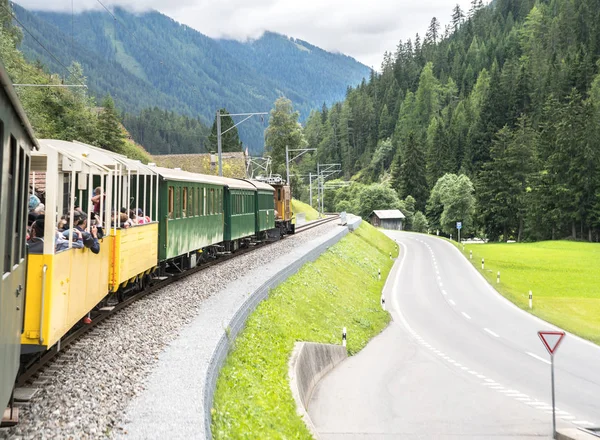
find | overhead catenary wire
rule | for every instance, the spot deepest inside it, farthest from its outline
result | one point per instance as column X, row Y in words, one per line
column 7, row 9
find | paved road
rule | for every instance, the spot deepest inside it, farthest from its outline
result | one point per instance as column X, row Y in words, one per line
column 458, row 361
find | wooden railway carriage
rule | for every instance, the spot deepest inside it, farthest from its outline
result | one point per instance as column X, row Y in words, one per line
column 240, row 205
column 264, row 207
column 134, row 251
column 63, row 286
column 190, row 213
column 17, row 140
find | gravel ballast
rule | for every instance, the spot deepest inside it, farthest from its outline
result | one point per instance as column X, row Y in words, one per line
column 90, row 391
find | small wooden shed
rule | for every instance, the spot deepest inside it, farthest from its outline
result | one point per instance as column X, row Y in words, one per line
column 388, row 219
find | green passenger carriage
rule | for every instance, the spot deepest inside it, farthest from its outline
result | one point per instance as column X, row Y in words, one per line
column 190, row 213
column 264, row 207
column 240, row 202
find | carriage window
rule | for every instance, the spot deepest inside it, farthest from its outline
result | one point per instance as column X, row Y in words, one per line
column 212, row 201
column 10, row 206
column 196, row 204
column 184, row 202
column 171, row 202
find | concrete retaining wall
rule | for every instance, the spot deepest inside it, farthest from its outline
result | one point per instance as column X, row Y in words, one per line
column 239, row 319
column 309, row 363
column 353, row 222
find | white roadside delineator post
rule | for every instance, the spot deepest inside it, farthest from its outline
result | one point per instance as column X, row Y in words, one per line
column 379, row 274
column 482, row 264
column 344, row 337
column 383, row 302
column 498, row 278
column 470, row 255
column 530, row 300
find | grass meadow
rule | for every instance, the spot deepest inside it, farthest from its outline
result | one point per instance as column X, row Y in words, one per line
column 564, row 277
column 299, row 207
column 340, row 289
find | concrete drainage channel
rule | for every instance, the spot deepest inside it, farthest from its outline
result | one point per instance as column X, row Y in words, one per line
column 238, row 321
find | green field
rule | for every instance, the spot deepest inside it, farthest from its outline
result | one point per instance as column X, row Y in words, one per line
column 340, row 289
column 299, row 207
column 564, row 277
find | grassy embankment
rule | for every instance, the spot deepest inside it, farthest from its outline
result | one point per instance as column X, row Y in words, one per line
column 340, row 289
column 562, row 275
column 299, row 207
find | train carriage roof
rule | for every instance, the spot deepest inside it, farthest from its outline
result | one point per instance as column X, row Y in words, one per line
column 260, row 185
column 16, row 104
column 186, row 176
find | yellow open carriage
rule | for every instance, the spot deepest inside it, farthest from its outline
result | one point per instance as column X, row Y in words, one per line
column 63, row 287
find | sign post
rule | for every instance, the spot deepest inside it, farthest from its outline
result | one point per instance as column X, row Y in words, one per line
column 459, row 227
column 551, row 340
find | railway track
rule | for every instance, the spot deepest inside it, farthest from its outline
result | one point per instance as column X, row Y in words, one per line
column 35, row 367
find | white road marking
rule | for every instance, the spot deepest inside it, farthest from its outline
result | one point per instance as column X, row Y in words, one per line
column 480, row 376
column 441, row 284
column 488, row 382
column 537, row 403
column 582, row 422
column 538, row 357
column 491, row 333
column 452, row 302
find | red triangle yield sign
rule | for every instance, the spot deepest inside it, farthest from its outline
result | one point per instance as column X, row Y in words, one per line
column 551, row 340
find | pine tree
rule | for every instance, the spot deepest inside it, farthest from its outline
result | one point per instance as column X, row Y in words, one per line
column 458, row 17
column 230, row 141
column 111, row 135
column 432, row 35
column 412, row 173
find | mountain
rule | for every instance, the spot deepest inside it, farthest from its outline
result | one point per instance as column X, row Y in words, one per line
column 150, row 60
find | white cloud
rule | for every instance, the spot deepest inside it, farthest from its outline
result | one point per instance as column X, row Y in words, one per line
column 360, row 28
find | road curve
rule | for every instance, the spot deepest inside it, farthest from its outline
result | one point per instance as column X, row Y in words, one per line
column 458, row 360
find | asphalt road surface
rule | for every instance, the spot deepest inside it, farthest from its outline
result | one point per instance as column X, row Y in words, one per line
column 458, row 361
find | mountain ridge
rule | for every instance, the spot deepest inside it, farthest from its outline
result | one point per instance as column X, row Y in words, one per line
column 148, row 59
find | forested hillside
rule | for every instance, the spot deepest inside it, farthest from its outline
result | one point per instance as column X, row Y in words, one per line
column 494, row 121
column 148, row 60
column 61, row 113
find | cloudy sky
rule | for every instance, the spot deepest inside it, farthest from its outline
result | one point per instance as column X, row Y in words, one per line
column 363, row 29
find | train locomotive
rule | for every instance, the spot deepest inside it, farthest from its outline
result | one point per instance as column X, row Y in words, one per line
column 188, row 218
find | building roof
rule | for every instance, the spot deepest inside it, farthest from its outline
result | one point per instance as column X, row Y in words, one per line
column 234, row 163
column 388, row 214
